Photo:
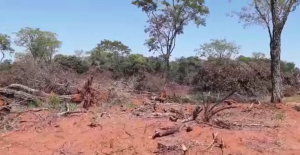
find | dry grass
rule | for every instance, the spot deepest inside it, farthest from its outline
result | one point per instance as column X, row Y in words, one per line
column 292, row 99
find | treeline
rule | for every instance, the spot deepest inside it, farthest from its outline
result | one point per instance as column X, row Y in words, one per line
column 219, row 70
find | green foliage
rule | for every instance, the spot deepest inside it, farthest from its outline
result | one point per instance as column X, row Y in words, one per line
column 155, row 64
column 72, row 62
column 287, row 66
column 110, row 55
column 116, row 47
column 218, row 49
column 53, row 101
column 280, row 116
column 73, row 106
column 131, row 105
column 5, row 65
column 35, row 103
column 183, row 70
column 244, row 59
column 41, row 44
column 136, row 63
column 5, row 45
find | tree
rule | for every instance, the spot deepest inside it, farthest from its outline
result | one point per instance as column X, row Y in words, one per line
column 116, row 47
column 187, row 69
column 5, row 45
column 5, row 65
column 258, row 55
column 218, row 49
column 41, row 44
column 111, row 55
column 23, row 57
column 79, row 53
column 270, row 14
column 287, row 66
column 167, row 20
column 72, row 62
column 137, row 63
column 107, row 49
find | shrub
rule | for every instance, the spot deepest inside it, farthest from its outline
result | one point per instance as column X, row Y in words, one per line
column 72, row 62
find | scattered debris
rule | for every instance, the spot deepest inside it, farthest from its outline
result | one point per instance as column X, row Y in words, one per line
column 178, row 127
column 67, row 112
column 170, row 149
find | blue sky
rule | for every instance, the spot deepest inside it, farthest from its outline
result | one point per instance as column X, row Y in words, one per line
column 81, row 24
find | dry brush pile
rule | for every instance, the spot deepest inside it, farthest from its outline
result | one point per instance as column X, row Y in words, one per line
column 250, row 78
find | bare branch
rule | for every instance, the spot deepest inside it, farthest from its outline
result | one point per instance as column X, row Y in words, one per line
column 264, row 17
column 289, row 6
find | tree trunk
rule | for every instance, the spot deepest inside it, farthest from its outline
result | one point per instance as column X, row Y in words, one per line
column 167, row 71
column 275, row 52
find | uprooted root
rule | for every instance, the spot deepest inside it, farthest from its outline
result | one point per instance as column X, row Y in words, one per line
column 210, row 111
column 88, row 94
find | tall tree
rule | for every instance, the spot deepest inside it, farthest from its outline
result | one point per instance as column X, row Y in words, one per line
column 109, row 49
column 270, row 14
column 167, row 20
column 5, row 45
column 109, row 54
column 41, row 44
column 116, row 47
column 219, row 49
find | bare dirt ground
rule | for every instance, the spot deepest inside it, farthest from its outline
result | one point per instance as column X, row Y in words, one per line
column 262, row 129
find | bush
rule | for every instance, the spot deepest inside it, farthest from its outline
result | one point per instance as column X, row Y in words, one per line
column 72, row 62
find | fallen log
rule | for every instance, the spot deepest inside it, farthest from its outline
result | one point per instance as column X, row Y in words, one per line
column 24, row 89
column 30, row 94
column 10, row 93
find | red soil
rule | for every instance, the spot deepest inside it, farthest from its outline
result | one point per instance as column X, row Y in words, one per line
column 122, row 133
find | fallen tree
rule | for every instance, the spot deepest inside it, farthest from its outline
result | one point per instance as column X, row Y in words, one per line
column 28, row 94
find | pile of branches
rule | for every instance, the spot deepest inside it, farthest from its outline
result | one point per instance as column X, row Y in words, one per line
column 209, row 110
column 27, row 94
column 47, row 77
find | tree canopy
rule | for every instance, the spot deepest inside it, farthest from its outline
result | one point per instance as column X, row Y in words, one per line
column 166, row 20
column 219, row 49
column 5, row 45
column 41, row 44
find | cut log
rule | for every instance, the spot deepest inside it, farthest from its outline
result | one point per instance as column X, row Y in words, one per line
column 23, row 88
column 11, row 93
